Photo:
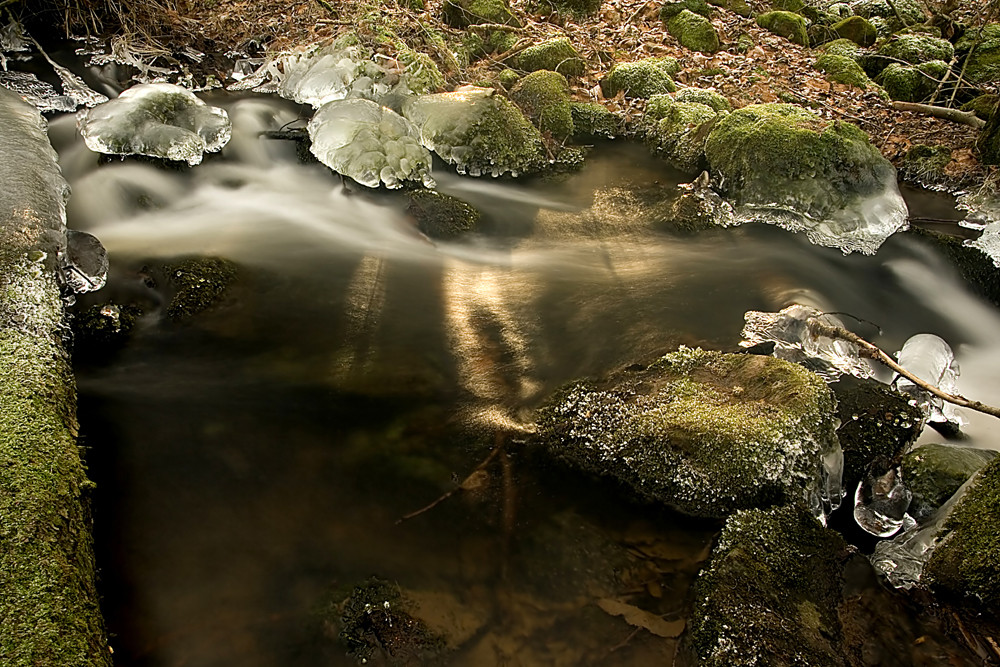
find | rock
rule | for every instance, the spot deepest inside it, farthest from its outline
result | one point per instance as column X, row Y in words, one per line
column 704, row 432
column 463, row 13
column 739, row 7
column 841, row 47
column 794, row 6
column 103, row 329
column 698, row 208
column 916, row 49
column 577, row 8
column 782, row 159
column 842, row 69
column 672, row 8
column 856, row 29
column 925, row 164
column 158, row 120
column 85, row 263
column 377, row 622
column 966, row 561
column 785, row 24
column 337, row 71
column 420, row 72
column 592, row 120
column 441, row 216
column 877, row 424
column 507, row 78
column 907, row 83
column 933, row 473
column 883, row 14
column 982, row 58
column 544, row 98
column 641, row 79
column 557, row 55
column 770, row 593
column 988, row 142
column 370, row 143
column 983, row 106
column 694, row 32
column 478, row 132
column 677, row 131
column 975, row 267
column 49, row 602
column 704, row 96
column 198, row 284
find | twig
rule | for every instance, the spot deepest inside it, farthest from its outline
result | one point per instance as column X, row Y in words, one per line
column 637, row 12
column 872, row 351
column 937, row 91
column 327, row 6
column 493, row 27
column 955, row 115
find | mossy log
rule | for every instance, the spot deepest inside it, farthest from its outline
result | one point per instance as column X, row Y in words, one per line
column 49, row 614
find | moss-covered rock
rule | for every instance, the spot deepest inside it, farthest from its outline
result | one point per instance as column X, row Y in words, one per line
column 877, row 424
column 857, row 29
column 884, row 16
column 672, row 8
column 982, row 53
column 788, row 5
column 704, row 96
column 983, row 106
column 704, row 432
column 507, row 78
column 988, row 142
column 694, row 32
column 907, row 83
column 781, row 154
column 785, row 24
column 103, row 328
column 441, row 216
column 677, row 131
column 198, row 284
column 49, row 612
column 739, row 7
column 421, row 72
column 925, row 164
column 842, row 69
column 570, row 7
column 770, row 593
column 557, row 55
column 641, row 79
column 917, row 48
column 842, row 47
column 544, row 98
column 966, row 562
column 463, row 13
column 933, row 473
column 592, row 120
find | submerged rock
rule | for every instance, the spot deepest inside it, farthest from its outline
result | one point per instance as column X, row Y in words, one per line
column 103, row 329
column 157, row 120
column 478, row 132
column 198, row 284
column 784, row 165
column 441, row 216
column 933, row 473
column 369, row 143
column 770, row 593
column 704, row 432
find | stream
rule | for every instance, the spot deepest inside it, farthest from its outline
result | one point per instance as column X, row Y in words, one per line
column 253, row 461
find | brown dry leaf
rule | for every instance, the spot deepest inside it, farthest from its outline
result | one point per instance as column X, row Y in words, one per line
column 641, row 618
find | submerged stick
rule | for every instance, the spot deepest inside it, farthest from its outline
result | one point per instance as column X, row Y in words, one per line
column 872, row 351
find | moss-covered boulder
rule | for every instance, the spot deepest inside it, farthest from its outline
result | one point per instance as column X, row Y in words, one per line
column 917, row 48
column 507, row 78
column 694, row 32
column 641, row 79
column 988, row 142
column 740, row 7
column 908, row 83
column 544, row 98
column 463, row 13
column 592, row 120
column 672, row 8
column 708, row 97
column 783, row 159
column 704, row 432
column 933, row 473
column 770, row 593
column 857, row 29
column 49, row 612
column 887, row 17
column 677, row 131
column 842, row 47
column 966, row 562
column 925, row 164
column 842, row 69
column 421, row 72
column 877, row 424
column 982, row 53
column 441, row 216
column 785, row 24
column 557, row 55
column 983, row 106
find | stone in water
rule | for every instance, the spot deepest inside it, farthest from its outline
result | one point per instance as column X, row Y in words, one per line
column 85, row 265
column 880, row 504
column 158, row 120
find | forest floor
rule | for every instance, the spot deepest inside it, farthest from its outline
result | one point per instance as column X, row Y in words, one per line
column 772, row 70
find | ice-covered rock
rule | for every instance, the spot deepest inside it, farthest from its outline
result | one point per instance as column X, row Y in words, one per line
column 476, row 131
column 794, row 341
column 783, row 165
column 334, row 72
column 85, row 265
column 989, row 242
column 880, row 504
column 930, row 358
column 369, row 143
column 158, row 120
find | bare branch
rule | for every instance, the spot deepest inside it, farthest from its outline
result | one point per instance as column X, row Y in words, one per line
column 954, row 115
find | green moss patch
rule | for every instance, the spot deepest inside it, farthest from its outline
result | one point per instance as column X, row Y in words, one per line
column 544, row 98
column 709, row 98
column 463, row 13
column 591, row 120
column 933, row 473
column 677, row 131
column 917, row 48
column 641, row 79
column 785, row 24
column 857, row 29
column 907, row 83
column 842, row 47
column 442, row 216
column 672, row 8
column 694, row 32
column 842, row 69
column 982, row 51
column 557, row 55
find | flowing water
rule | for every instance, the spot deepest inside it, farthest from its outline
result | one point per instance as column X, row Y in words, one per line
column 253, row 461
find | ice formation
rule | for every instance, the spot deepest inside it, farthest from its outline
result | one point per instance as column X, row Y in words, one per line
column 333, row 73
column 158, row 120
column 40, row 94
column 85, row 264
column 880, row 504
column 369, row 143
column 989, row 242
column 930, row 358
column 793, row 341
